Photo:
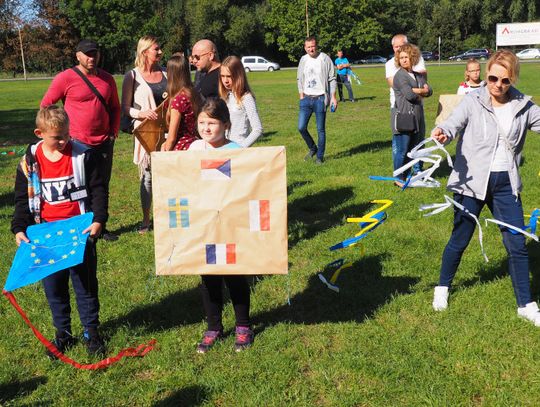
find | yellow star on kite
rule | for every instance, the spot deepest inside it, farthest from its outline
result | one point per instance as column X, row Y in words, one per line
column 74, row 237
column 37, row 261
column 72, row 252
column 47, row 236
column 32, row 255
column 72, row 230
column 36, row 241
column 65, row 256
column 75, row 243
column 60, row 233
column 33, row 247
column 51, row 261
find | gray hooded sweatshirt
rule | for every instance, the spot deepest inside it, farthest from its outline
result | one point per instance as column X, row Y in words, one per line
column 476, row 147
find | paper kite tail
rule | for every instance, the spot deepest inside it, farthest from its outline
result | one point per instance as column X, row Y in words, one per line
column 139, row 351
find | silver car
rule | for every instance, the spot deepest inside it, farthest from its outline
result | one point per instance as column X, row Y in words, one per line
column 255, row 63
column 529, row 53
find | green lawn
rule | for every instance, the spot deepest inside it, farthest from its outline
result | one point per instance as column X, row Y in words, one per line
column 376, row 343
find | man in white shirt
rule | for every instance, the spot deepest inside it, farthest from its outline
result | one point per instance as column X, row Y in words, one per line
column 316, row 81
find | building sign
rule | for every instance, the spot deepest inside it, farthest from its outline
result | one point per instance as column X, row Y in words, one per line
column 518, row 34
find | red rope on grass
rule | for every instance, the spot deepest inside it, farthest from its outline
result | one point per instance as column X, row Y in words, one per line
column 139, row 351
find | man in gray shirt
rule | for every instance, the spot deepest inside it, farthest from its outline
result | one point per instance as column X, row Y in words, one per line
column 316, row 81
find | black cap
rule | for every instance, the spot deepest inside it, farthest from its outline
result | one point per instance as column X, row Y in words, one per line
column 86, row 46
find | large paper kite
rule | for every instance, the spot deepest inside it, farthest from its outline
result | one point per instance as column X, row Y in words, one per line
column 151, row 133
column 367, row 223
column 220, row 211
column 55, row 246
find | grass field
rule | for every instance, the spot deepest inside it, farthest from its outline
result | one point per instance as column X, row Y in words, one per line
column 376, row 343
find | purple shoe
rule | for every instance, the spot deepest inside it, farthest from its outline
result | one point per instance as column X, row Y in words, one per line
column 208, row 340
column 244, row 338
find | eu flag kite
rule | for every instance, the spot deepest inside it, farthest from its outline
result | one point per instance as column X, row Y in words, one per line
column 53, row 246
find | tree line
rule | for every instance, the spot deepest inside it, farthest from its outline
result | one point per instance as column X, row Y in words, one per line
column 50, row 29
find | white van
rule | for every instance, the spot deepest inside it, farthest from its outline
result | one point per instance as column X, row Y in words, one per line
column 255, row 63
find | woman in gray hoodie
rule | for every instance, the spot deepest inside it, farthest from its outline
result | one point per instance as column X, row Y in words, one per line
column 494, row 120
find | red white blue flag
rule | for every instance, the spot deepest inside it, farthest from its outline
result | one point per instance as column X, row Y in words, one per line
column 216, row 169
column 221, row 253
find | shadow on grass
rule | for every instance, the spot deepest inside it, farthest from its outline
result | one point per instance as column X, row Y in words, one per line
column 493, row 271
column 7, row 199
column 364, row 98
column 189, row 396
column 315, row 213
column 364, row 148
column 291, row 187
column 17, row 126
column 363, row 289
column 266, row 135
column 124, row 229
column 12, row 391
column 177, row 309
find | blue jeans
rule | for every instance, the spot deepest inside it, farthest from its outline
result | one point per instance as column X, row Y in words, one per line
column 344, row 80
column 309, row 105
column 401, row 145
column 504, row 207
column 85, row 285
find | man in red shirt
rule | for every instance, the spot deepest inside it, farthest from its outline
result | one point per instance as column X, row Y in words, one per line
column 90, row 99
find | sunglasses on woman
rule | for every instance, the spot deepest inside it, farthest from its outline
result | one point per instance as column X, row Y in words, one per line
column 495, row 79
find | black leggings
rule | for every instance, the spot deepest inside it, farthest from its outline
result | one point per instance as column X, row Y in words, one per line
column 212, row 295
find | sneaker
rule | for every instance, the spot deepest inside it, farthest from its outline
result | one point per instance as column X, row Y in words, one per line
column 440, row 298
column 244, row 338
column 209, row 339
column 530, row 312
column 94, row 342
column 318, row 161
column 63, row 341
column 310, row 155
column 142, row 228
column 108, row 236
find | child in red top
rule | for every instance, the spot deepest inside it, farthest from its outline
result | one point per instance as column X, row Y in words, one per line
column 183, row 106
column 70, row 183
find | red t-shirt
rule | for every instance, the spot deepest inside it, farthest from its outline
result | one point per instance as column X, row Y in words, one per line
column 89, row 121
column 56, row 181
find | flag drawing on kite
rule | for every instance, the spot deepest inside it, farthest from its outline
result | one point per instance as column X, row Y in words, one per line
column 221, row 253
column 55, row 246
column 259, row 215
column 367, row 223
column 237, row 227
column 178, row 212
column 216, row 169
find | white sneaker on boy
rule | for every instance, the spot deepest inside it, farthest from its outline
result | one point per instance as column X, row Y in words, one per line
column 530, row 312
column 440, row 298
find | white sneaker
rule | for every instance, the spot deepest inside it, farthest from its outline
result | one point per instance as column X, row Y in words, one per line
column 530, row 312
column 440, row 298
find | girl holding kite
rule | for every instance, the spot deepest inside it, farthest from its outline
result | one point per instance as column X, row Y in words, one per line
column 234, row 89
column 182, row 111
column 492, row 123
column 143, row 91
column 213, row 122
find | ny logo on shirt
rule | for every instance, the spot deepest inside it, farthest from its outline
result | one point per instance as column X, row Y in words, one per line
column 56, row 190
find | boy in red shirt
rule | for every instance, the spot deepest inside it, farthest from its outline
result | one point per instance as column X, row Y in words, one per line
column 70, row 184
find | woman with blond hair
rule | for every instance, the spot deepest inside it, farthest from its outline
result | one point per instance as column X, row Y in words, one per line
column 410, row 89
column 492, row 123
column 143, row 90
column 234, row 89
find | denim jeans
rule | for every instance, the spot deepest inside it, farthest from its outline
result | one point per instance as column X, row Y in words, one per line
column 344, row 80
column 504, row 207
column 401, row 145
column 309, row 105
column 85, row 285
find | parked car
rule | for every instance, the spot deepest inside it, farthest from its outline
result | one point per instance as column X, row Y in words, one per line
column 372, row 59
column 430, row 56
column 529, row 53
column 478, row 53
column 255, row 63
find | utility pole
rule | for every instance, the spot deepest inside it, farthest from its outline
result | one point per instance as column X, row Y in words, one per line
column 307, row 20
column 22, row 52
